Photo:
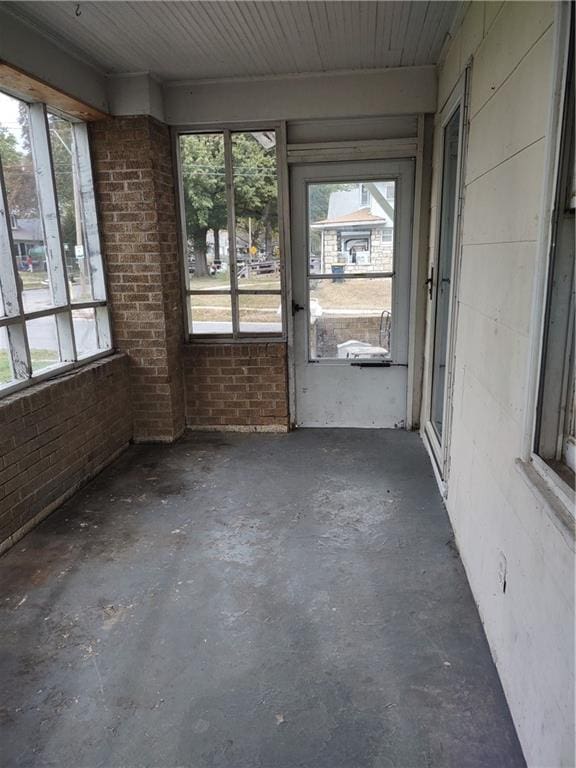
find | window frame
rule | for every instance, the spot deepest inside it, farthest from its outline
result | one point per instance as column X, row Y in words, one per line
column 558, row 333
column 15, row 317
column 542, row 475
column 236, row 336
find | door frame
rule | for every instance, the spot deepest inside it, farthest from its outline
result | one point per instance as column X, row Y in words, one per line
column 439, row 449
column 401, row 170
column 414, row 148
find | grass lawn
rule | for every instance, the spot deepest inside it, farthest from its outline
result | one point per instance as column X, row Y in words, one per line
column 364, row 293
column 41, row 358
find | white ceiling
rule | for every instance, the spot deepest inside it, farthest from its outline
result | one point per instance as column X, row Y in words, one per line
column 202, row 40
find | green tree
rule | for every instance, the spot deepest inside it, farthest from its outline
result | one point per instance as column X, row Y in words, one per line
column 318, row 203
column 8, row 147
column 204, row 183
column 255, row 190
column 18, row 175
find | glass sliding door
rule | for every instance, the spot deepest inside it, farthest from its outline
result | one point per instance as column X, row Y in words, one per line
column 444, row 270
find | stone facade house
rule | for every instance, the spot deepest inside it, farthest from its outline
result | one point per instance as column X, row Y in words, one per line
column 358, row 232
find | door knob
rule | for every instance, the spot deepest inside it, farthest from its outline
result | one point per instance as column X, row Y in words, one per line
column 296, row 307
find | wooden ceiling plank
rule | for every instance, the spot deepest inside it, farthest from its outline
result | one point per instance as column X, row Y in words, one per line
column 203, row 40
column 31, row 88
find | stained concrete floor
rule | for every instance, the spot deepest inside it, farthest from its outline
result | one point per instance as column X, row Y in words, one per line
column 250, row 601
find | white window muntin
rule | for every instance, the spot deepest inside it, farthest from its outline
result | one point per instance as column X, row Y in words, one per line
column 13, row 317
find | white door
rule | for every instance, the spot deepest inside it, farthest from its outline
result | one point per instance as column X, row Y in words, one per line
column 443, row 278
column 351, row 255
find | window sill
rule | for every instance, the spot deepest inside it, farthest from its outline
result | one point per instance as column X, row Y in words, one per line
column 557, row 496
column 53, row 372
column 269, row 339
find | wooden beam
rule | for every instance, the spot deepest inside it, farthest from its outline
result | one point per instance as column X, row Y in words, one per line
column 33, row 89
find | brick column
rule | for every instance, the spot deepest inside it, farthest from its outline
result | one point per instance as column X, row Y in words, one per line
column 136, row 199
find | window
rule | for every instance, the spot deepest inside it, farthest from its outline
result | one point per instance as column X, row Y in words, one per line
column 387, row 234
column 555, row 437
column 364, row 197
column 357, row 249
column 350, row 272
column 53, row 312
column 232, row 248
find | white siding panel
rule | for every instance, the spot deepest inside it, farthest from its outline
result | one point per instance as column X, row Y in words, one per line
column 503, row 206
column 512, row 119
column 472, row 31
column 492, row 9
column 450, row 69
column 515, row 31
column 496, row 356
column 497, row 281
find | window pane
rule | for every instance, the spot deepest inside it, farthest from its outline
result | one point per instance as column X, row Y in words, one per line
column 260, row 313
column 69, row 208
column 204, row 191
column 84, row 322
column 350, row 318
column 256, row 209
column 43, row 342
column 23, row 205
column 6, row 372
column 351, row 227
column 211, row 314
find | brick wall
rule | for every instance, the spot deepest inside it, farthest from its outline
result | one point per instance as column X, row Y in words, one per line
column 329, row 332
column 136, row 199
column 55, row 435
column 236, row 385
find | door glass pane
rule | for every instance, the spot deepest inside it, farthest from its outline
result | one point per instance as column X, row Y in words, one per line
column 351, row 227
column 23, row 205
column 444, row 270
column 256, row 209
column 260, row 313
column 69, row 208
column 43, row 341
column 350, row 318
column 211, row 313
column 205, row 210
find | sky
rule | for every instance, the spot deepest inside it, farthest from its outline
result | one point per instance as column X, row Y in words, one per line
column 9, row 116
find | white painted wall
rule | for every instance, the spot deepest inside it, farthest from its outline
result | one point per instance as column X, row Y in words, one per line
column 403, row 91
column 135, row 94
column 494, row 507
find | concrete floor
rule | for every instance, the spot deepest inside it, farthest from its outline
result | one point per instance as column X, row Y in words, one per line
column 250, row 601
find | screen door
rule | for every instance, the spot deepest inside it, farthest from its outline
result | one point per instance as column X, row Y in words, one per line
column 351, row 254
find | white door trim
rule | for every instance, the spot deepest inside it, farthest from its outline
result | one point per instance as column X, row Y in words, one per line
column 439, row 449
